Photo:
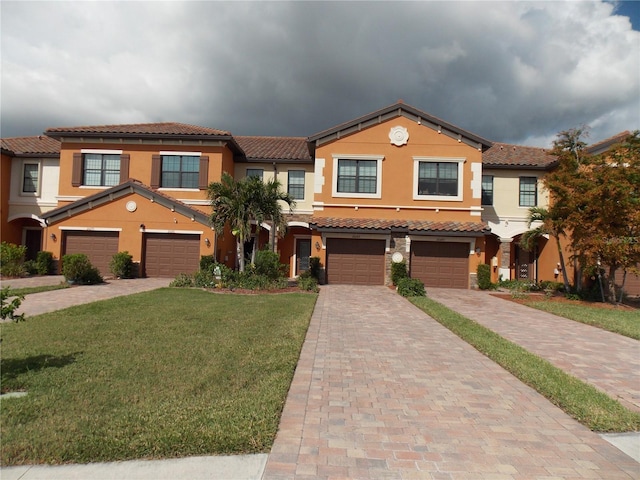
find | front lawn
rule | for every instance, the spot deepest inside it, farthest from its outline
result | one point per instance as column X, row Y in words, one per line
column 167, row 373
column 621, row 320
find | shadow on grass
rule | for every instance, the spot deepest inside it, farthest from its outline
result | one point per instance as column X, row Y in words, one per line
column 12, row 368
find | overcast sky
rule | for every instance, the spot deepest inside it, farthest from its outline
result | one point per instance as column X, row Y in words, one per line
column 517, row 72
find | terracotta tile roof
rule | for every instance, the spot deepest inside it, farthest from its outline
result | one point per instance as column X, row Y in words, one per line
column 604, row 145
column 168, row 128
column 410, row 225
column 275, row 148
column 505, row 155
column 24, row 146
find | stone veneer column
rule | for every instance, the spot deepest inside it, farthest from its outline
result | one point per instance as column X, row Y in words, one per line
column 398, row 244
column 505, row 258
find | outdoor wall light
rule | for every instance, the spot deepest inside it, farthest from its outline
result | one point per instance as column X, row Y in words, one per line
column 317, row 245
column 207, row 242
column 53, row 237
column 142, row 227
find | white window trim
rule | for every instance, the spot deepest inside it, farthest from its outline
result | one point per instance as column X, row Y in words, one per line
column 175, row 154
column 334, row 182
column 22, row 193
column 101, row 151
column 441, row 198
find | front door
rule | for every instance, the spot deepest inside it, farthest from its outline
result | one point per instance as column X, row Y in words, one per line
column 525, row 264
column 33, row 241
column 303, row 252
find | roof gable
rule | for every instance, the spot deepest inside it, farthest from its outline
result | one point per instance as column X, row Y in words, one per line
column 124, row 189
column 394, row 111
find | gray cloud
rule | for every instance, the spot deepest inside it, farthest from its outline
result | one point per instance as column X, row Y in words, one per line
column 509, row 71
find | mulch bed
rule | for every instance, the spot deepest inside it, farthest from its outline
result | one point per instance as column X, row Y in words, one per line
column 630, row 304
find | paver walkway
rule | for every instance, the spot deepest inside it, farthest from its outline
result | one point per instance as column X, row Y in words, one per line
column 606, row 360
column 44, row 302
column 384, row 391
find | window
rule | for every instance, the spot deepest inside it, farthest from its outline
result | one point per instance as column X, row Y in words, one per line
column 528, row 192
column 487, row 189
column 357, row 176
column 255, row 172
column 295, row 184
column 30, row 177
column 101, row 170
column 437, row 178
column 180, row 171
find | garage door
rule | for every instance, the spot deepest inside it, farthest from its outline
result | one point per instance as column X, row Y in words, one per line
column 168, row 254
column 441, row 264
column 631, row 283
column 355, row 261
column 100, row 247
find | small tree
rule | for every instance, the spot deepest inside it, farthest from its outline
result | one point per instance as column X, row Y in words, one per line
column 484, row 276
column 8, row 308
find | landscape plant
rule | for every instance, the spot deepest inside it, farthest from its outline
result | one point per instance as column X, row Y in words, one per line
column 411, row 287
column 9, row 303
column 484, row 276
column 44, row 263
column 121, row 265
column 12, row 259
column 398, row 271
column 77, row 268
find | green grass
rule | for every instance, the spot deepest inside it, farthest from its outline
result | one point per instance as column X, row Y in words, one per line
column 589, row 406
column 167, row 373
column 42, row 288
column 616, row 320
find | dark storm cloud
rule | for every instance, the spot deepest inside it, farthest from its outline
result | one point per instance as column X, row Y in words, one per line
column 509, row 71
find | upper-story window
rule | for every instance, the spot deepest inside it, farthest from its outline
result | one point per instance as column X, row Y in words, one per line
column 99, row 168
column 528, row 191
column 255, row 172
column 30, row 177
column 437, row 178
column 295, row 184
column 487, row 189
column 357, row 176
column 180, row 171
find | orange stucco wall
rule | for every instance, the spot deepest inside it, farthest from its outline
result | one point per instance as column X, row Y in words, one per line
column 140, row 165
column 8, row 233
column 397, row 173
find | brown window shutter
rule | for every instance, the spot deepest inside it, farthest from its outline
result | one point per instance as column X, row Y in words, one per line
column 203, row 180
column 76, row 171
column 156, row 165
column 124, row 167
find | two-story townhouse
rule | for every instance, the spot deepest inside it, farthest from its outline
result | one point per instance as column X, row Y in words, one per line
column 398, row 184
column 142, row 189
column 511, row 185
column 29, row 188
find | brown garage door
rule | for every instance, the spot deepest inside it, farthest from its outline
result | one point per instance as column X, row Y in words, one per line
column 100, row 247
column 441, row 264
column 631, row 283
column 355, row 261
column 168, row 254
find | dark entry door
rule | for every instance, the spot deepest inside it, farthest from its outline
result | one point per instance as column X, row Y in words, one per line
column 303, row 252
column 33, row 242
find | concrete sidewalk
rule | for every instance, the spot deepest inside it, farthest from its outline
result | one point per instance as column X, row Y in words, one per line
column 384, row 391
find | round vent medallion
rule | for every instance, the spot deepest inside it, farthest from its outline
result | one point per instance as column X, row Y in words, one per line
column 131, row 206
column 397, row 257
column 398, row 135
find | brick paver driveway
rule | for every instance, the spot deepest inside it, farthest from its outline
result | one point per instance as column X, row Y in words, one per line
column 384, row 391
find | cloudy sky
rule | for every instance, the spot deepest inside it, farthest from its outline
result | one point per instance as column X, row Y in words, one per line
column 509, row 71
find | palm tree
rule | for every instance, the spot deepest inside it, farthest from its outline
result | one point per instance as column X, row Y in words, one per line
column 240, row 203
column 231, row 205
column 552, row 225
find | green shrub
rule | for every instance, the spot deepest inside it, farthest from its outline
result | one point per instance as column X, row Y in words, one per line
column 205, row 278
column 44, row 263
column 121, row 265
column 207, row 262
column 182, row 280
column 12, row 259
column 8, row 308
column 30, row 267
column 268, row 264
column 484, row 276
column 411, row 287
column 314, row 267
column 77, row 268
column 398, row 271
column 307, row 282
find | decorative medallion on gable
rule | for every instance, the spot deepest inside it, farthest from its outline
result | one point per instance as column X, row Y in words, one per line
column 398, row 136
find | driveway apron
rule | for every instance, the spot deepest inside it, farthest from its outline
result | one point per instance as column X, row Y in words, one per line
column 606, row 360
column 384, row 391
